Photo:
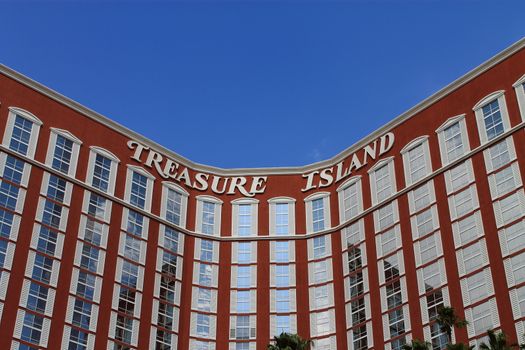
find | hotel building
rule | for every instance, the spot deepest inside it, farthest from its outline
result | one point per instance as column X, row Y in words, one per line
column 111, row 241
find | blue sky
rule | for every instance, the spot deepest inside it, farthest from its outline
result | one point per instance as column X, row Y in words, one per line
column 253, row 83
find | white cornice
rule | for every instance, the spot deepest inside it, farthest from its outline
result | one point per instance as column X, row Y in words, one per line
column 520, row 44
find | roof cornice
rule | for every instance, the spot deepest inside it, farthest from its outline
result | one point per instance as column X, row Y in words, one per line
column 520, row 44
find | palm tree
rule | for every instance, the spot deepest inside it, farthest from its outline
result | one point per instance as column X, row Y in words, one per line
column 497, row 341
column 417, row 345
column 447, row 320
column 287, row 341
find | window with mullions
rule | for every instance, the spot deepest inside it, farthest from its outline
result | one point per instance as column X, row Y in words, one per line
column 318, row 214
column 21, row 135
column 243, row 276
column 244, row 220
column 434, row 303
column 242, row 328
column 132, row 247
column 282, row 275
column 52, row 214
column 205, row 272
column 173, row 206
column 499, row 154
column 396, row 322
column 47, row 241
column 37, row 297
column 351, row 201
column 360, row 338
column 282, row 218
column 93, row 232
column 208, row 217
column 319, row 244
column 139, row 190
column 282, row 323
column 321, row 299
column 393, row 294
column 126, row 302
column 62, row 154
column 454, row 147
column 204, row 299
column 77, row 340
column 13, row 170
column 244, row 252
column 97, row 206
column 89, row 257
column 130, row 274
column 206, row 250
column 203, row 325
column 101, row 173
column 358, row 311
column 165, row 316
column 82, row 314
column 167, row 290
column 86, row 285
column 282, row 301
column 124, row 329
column 135, row 223
column 355, row 261
column 417, row 163
column 8, row 195
column 356, row 285
column 56, row 188
column 492, row 119
column 243, row 301
column 3, row 252
column 169, row 264
column 32, row 328
column 6, row 223
column 383, row 183
column 42, row 268
column 171, row 239
column 282, row 251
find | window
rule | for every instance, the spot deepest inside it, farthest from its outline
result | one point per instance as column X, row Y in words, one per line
column 396, row 323
column 318, row 215
column 476, row 287
column 282, row 323
column 385, row 216
column 86, row 285
column 499, row 155
column 463, row 202
column 282, row 275
column 519, row 86
column 204, row 299
column 130, row 274
column 513, row 237
column 492, row 120
column 509, row 208
column 126, row 303
column 171, row 239
column 481, row 318
column 37, row 297
column 42, row 269
column 358, row 311
column 424, row 222
column 77, row 340
column 243, row 276
column 62, row 154
column 206, row 250
column 317, row 212
column 102, row 169
column 174, row 203
column 282, row 300
column 429, row 249
column 281, row 218
column 13, row 170
column 504, row 181
column 165, row 318
column 354, row 233
column 89, row 257
column 322, row 324
column 208, row 220
column 382, row 180
column 421, row 197
column 388, row 241
column 282, row 251
column 135, row 223
column 321, row 296
column 431, row 276
column 393, row 294
column 453, row 142
column 360, row 339
column 205, row 272
column 243, row 301
column 32, row 328
column 21, row 132
column 139, row 187
column 244, row 252
column 319, row 244
column 242, row 328
column 517, row 267
column 350, row 199
column 56, row 188
column 355, row 261
column 124, row 329
column 320, row 271
column 93, row 232
column 47, row 241
column 416, row 160
column 82, row 313
column 356, row 285
column 8, row 195
column 473, row 257
column 97, row 206
column 391, row 267
column 468, row 229
column 169, row 264
column 244, row 220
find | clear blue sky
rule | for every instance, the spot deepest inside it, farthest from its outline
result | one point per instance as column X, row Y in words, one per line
column 253, row 83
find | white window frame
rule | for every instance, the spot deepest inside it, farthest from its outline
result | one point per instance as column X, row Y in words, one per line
column 217, row 213
column 254, row 206
column 149, row 190
column 74, row 152
column 325, row 196
column 478, row 110
column 389, row 162
column 353, row 181
column 405, row 153
column 37, row 123
column 441, row 137
column 519, row 87
column 94, row 151
column 166, row 187
column 291, row 214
